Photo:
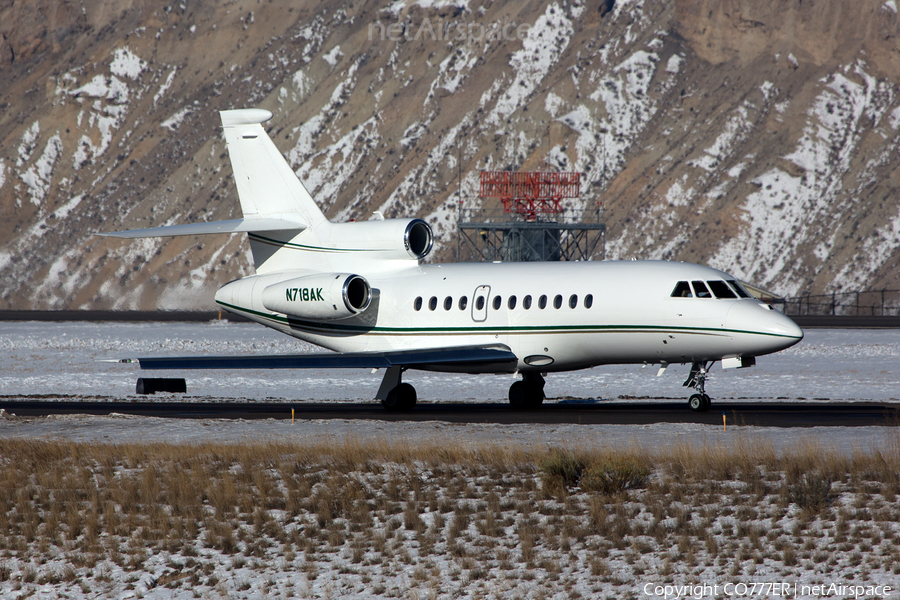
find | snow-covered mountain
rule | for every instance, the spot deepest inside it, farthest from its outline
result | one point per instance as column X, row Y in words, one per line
column 760, row 138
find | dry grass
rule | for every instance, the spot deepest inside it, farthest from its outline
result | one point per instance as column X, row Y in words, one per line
column 380, row 509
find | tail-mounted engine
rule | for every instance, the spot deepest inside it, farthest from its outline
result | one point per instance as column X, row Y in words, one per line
column 391, row 239
column 324, row 297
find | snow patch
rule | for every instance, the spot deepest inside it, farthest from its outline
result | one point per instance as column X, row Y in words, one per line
column 95, row 88
column 736, row 130
column 26, row 148
column 558, row 159
column 579, row 119
column 333, row 57
column 300, row 82
column 541, row 48
column 437, row 4
column 37, row 178
column 673, row 65
column 890, row 5
column 894, row 118
column 552, row 104
column 63, row 211
column 173, row 122
column 165, row 86
column 453, row 70
column 678, row 195
column 626, row 102
column 325, row 172
column 126, row 63
column 876, row 249
column 791, row 212
column 735, row 171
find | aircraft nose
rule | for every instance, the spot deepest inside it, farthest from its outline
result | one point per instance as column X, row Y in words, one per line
column 755, row 317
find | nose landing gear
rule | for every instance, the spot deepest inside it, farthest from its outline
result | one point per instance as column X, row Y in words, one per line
column 696, row 379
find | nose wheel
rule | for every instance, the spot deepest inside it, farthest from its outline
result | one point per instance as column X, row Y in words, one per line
column 696, row 379
column 699, row 402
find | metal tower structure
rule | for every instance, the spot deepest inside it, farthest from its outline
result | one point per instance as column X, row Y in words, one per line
column 533, row 225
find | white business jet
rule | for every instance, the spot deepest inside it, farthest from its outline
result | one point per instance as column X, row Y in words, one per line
column 359, row 289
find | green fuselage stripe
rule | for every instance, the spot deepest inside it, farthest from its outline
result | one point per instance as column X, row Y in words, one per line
column 259, row 238
column 338, row 328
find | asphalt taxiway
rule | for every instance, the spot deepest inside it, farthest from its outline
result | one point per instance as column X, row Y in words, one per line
column 768, row 414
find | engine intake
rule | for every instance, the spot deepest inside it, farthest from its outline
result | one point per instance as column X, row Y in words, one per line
column 418, row 238
column 325, row 297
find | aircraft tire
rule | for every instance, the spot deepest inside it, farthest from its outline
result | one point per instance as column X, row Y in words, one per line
column 518, row 395
column 707, row 402
column 401, row 398
column 523, row 395
column 697, row 403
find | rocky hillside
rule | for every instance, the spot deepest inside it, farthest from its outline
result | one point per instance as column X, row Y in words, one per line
column 760, row 138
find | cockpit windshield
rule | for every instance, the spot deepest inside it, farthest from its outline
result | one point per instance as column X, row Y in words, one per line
column 730, row 289
column 682, row 290
column 721, row 289
column 741, row 292
column 700, row 290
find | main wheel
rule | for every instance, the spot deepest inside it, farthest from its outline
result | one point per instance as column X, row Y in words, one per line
column 402, row 397
column 525, row 395
column 518, row 394
column 707, row 402
column 697, row 403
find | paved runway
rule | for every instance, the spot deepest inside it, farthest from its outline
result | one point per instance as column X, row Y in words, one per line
column 769, row 414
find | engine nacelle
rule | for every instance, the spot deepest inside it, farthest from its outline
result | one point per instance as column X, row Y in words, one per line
column 391, row 239
column 324, row 297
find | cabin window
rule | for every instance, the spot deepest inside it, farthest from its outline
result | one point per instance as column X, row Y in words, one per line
column 479, row 303
column 526, row 302
column 557, row 302
column 463, row 302
column 542, row 302
column 741, row 292
column 721, row 289
column 448, row 303
column 573, row 300
column 418, row 303
column 588, row 301
column 511, row 303
column 497, row 301
column 432, row 304
column 700, row 290
column 682, row 290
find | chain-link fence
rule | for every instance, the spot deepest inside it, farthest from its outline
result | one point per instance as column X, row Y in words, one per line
column 870, row 303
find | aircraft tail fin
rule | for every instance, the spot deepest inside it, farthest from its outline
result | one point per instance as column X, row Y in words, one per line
column 265, row 182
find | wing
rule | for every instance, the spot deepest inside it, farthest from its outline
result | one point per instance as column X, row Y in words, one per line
column 271, row 223
column 465, row 359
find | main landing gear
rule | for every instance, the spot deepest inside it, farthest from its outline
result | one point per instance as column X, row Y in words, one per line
column 696, row 379
column 396, row 396
column 528, row 393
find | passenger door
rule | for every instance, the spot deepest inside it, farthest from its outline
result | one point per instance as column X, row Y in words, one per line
column 480, row 303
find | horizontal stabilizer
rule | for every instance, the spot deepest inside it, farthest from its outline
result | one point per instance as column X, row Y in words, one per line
column 478, row 359
column 279, row 223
